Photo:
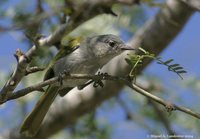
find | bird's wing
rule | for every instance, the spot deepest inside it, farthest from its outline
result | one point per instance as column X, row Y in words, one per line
column 71, row 46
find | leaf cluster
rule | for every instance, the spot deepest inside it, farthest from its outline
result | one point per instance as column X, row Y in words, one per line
column 135, row 61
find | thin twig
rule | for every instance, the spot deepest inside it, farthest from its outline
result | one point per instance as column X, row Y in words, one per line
column 24, row 60
column 169, row 106
column 162, row 117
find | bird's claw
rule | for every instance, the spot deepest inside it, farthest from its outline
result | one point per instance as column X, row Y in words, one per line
column 103, row 74
column 96, row 82
column 99, row 82
column 60, row 76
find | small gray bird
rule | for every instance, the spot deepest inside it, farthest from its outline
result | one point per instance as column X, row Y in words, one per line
column 88, row 56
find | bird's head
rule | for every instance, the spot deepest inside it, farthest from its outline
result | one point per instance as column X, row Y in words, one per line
column 106, row 46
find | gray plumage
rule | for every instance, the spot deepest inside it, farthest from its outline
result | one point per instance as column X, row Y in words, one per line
column 93, row 54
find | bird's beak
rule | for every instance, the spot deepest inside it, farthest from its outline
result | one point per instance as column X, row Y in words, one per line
column 126, row 47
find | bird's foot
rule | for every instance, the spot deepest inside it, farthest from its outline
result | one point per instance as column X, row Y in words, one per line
column 100, row 82
column 61, row 76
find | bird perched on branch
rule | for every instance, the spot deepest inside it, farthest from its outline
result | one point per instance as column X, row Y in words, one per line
column 84, row 56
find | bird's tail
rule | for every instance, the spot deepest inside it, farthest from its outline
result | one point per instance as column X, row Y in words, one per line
column 33, row 121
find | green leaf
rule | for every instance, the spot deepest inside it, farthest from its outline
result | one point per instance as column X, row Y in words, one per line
column 182, row 71
column 168, row 61
column 144, row 51
column 178, row 68
column 174, row 65
column 136, row 60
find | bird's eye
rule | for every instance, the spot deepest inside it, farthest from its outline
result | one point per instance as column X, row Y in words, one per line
column 111, row 43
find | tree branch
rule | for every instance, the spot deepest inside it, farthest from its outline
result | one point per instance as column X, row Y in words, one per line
column 154, row 87
column 24, row 60
column 149, row 37
column 154, row 36
column 162, row 117
column 33, row 70
column 169, row 106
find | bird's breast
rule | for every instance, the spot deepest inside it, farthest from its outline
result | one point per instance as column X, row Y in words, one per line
column 76, row 66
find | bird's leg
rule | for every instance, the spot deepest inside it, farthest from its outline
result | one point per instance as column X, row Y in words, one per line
column 60, row 76
column 96, row 82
